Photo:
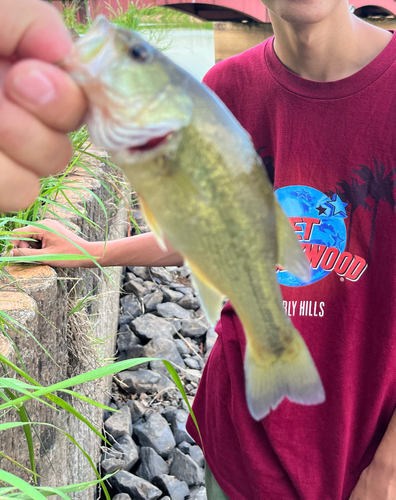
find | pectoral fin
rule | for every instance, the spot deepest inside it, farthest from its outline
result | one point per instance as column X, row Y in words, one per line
column 211, row 298
column 290, row 253
column 152, row 223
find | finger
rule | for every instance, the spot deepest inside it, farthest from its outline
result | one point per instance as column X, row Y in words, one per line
column 32, row 28
column 25, row 252
column 21, row 185
column 29, row 142
column 32, row 232
column 47, row 92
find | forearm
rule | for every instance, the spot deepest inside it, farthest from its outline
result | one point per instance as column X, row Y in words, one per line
column 140, row 250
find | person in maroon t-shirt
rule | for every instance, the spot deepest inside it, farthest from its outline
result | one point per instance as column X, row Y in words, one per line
column 318, row 102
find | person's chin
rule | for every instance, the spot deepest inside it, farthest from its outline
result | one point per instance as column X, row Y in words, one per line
column 303, row 11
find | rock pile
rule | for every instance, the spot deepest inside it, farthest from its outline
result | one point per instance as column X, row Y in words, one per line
column 156, row 458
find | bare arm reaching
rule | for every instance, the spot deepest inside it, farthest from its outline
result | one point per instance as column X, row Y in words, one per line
column 141, row 250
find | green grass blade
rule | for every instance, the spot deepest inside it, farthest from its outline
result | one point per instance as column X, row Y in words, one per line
column 28, row 434
column 21, row 484
column 179, row 385
column 47, row 492
column 10, row 425
column 88, row 400
column 55, row 399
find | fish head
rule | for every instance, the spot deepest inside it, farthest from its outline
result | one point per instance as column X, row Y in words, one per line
column 138, row 104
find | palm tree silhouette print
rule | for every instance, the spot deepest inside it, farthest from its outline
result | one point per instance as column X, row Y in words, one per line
column 355, row 195
column 380, row 187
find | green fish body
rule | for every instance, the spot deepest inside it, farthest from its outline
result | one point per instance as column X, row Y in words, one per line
column 204, row 190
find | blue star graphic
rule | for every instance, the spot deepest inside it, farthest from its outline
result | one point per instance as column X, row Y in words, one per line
column 337, row 240
column 337, row 206
column 301, row 193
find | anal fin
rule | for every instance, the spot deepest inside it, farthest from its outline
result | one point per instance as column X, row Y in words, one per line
column 210, row 297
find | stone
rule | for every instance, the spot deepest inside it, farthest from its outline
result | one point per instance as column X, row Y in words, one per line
column 122, row 496
column 193, row 375
column 168, row 414
column 197, row 455
column 182, row 347
column 126, row 446
column 151, row 287
column 211, row 337
column 131, row 306
column 181, row 288
column 139, row 381
column 151, row 464
column 184, row 447
column 124, row 320
column 164, row 348
column 176, row 324
column 162, row 275
column 110, row 465
column 159, row 367
column 119, row 423
column 199, row 360
column 149, row 326
column 156, row 434
column 177, row 490
column 193, row 327
column 136, row 487
column 136, row 288
column 137, row 410
column 184, row 468
column 179, row 420
column 126, row 339
column 109, row 413
column 189, row 301
column 183, row 271
column 171, row 295
column 172, row 310
column 134, row 351
column 199, row 494
column 192, row 363
column 152, row 300
column 140, row 271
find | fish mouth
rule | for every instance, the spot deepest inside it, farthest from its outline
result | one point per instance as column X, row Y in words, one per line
column 152, row 144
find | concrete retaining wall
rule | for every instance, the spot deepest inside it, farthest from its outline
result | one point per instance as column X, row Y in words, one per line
column 39, row 298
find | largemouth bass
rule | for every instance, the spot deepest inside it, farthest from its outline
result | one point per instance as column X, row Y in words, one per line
column 203, row 189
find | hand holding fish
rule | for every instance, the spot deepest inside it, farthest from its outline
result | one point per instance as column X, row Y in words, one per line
column 39, row 103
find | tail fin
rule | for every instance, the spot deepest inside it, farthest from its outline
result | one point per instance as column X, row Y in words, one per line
column 292, row 374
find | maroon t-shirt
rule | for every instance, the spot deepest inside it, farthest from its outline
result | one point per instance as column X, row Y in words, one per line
column 330, row 149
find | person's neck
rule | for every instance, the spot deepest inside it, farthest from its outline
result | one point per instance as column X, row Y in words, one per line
column 330, row 50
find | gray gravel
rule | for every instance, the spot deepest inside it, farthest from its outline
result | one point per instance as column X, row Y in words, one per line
column 156, row 458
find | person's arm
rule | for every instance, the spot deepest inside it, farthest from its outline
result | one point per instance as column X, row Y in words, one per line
column 39, row 103
column 140, row 250
column 378, row 480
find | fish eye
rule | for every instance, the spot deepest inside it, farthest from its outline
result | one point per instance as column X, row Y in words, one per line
column 139, row 52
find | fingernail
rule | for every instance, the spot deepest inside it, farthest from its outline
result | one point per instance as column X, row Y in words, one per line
column 36, row 87
column 12, row 253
